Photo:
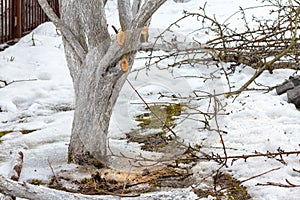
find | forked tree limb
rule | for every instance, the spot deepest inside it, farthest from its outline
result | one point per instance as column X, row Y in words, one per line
column 65, row 31
column 116, row 52
column 146, row 12
column 125, row 14
column 136, row 6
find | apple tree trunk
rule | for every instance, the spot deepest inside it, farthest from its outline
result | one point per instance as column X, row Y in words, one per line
column 94, row 58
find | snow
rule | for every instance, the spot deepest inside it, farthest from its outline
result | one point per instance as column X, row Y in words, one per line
column 43, row 101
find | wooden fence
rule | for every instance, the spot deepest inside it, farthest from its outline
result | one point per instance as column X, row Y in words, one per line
column 18, row 17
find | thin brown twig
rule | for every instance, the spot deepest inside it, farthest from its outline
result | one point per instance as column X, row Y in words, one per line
column 261, row 155
column 287, row 185
column 6, row 83
column 148, row 107
column 261, row 174
column 272, row 39
column 216, row 110
column 53, row 173
column 296, row 170
column 126, row 180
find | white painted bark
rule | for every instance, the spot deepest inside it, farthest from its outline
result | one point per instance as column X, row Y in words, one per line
column 136, row 6
column 93, row 59
column 15, row 172
column 28, row 191
column 34, row 192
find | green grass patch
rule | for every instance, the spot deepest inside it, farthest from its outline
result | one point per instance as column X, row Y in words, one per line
column 166, row 114
column 23, row 131
column 156, row 119
column 228, row 188
column 37, row 182
column 2, row 133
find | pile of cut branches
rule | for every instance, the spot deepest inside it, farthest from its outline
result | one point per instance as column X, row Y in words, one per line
column 263, row 44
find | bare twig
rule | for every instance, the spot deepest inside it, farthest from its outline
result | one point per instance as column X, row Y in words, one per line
column 126, row 180
column 287, row 185
column 245, row 157
column 274, row 40
column 296, row 170
column 216, row 110
column 261, row 174
column 53, row 173
column 8, row 83
column 148, row 107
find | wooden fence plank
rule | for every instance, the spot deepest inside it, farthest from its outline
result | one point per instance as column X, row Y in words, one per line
column 19, row 17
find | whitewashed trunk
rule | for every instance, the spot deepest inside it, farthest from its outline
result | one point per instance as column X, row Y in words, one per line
column 93, row 59
column 91, row 119
column 94, row 88
column 96, row 96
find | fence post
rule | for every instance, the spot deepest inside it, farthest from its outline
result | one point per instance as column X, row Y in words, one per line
column 56, row 6
column 18, row 19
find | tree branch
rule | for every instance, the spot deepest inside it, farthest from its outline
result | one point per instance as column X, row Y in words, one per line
column 8, row 83
column 148, row 107
column 146, row 12
column 66, row 32
column 104, row 2
column 266, row 65
column 273, row 154
column 136, row 6
column 29, row 191
column 125, row 15
column 15, row 172
column 92, row 24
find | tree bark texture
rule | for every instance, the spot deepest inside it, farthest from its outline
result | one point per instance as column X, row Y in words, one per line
column 34, row 192
column 93, row 58
column 15, row 172
column 28, row 191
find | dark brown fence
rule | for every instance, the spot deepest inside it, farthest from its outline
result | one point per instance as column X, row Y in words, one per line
column 18, row 17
